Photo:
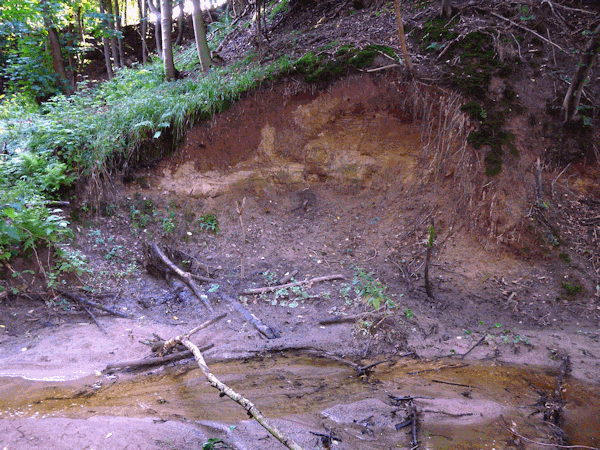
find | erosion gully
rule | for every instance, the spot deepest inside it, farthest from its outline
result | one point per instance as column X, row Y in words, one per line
column 460, row 406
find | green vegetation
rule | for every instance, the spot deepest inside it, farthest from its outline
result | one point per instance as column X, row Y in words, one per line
column 370, row 290
column 571, row 289
column 322, row 67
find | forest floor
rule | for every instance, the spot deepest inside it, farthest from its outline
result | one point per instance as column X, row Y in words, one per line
column 333, row 181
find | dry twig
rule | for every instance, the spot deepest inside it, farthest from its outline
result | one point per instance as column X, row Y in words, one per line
column 262, row 290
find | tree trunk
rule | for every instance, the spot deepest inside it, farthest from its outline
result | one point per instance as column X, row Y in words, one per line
column 55, row 51
column 120, row 36
column 258, row 26
column 402, row 37
column 179, row 24
column 143, row 29
column 114, row 47
column 446, row 8
column 157, row 28
column 568, row 112
column 106, row 45
column 200, row 34
column 167, row 24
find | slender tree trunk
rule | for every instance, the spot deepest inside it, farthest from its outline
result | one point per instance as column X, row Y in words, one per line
column 402, row 37
column 167, row 24
column 120, row 37
column 446, row 8
column 106, row 45
column 55, row 50
column 143, row 29
column 114, row 47
column 157, row 28
column 568, row 111
column 200, row 35
column 179, row 24
column 258, row 25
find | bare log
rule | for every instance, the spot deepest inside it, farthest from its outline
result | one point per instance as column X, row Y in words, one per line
column 252, row 410
column 185, row 276
column 155, row 361
column 262, row 290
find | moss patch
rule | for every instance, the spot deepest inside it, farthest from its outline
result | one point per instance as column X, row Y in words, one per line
column 323, row 68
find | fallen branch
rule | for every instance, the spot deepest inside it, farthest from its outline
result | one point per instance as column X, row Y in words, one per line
column 295, row 283
column 515, row 434
column 177, row 339
column 155, row 361
column 95, row 305
column 412, row 414
column 528, row 30
column 91, row 314
column 185, row 276
column 472, row 348
column 240, row 211
column 252, row 410
column 269, row 332
column 288, row 277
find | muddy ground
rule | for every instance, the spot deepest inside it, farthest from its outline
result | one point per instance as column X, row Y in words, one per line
column 331, row 183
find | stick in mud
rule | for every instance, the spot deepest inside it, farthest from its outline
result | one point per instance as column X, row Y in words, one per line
column 262, row 290
column 94, row 304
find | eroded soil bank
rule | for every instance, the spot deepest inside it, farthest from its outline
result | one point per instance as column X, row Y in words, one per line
column 335, row 182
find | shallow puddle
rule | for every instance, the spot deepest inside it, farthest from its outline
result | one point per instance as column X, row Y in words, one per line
column 460, row 406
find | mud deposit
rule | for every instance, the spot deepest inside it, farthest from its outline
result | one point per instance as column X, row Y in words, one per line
column 343, row 182
column 460, row 406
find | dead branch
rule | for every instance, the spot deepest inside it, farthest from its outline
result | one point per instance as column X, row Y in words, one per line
column 473, row 348
column 240, row 211
column 251, row 409
column 288, row 277
column 514, row 433
column 262, row 290
column 528, row 30
column 177, row 339
column 185, row 276
column 94, row 304
column 269, row 332
column 412, row 413
column 345, row 319
column 91, row 314
column 155, row 361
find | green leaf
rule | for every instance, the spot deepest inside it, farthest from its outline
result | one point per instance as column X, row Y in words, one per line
column 13, row 233
column 10, row 212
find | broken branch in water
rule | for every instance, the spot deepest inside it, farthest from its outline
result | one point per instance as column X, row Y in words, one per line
column 252, row 410
column 185, row 276
column 262, row 290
